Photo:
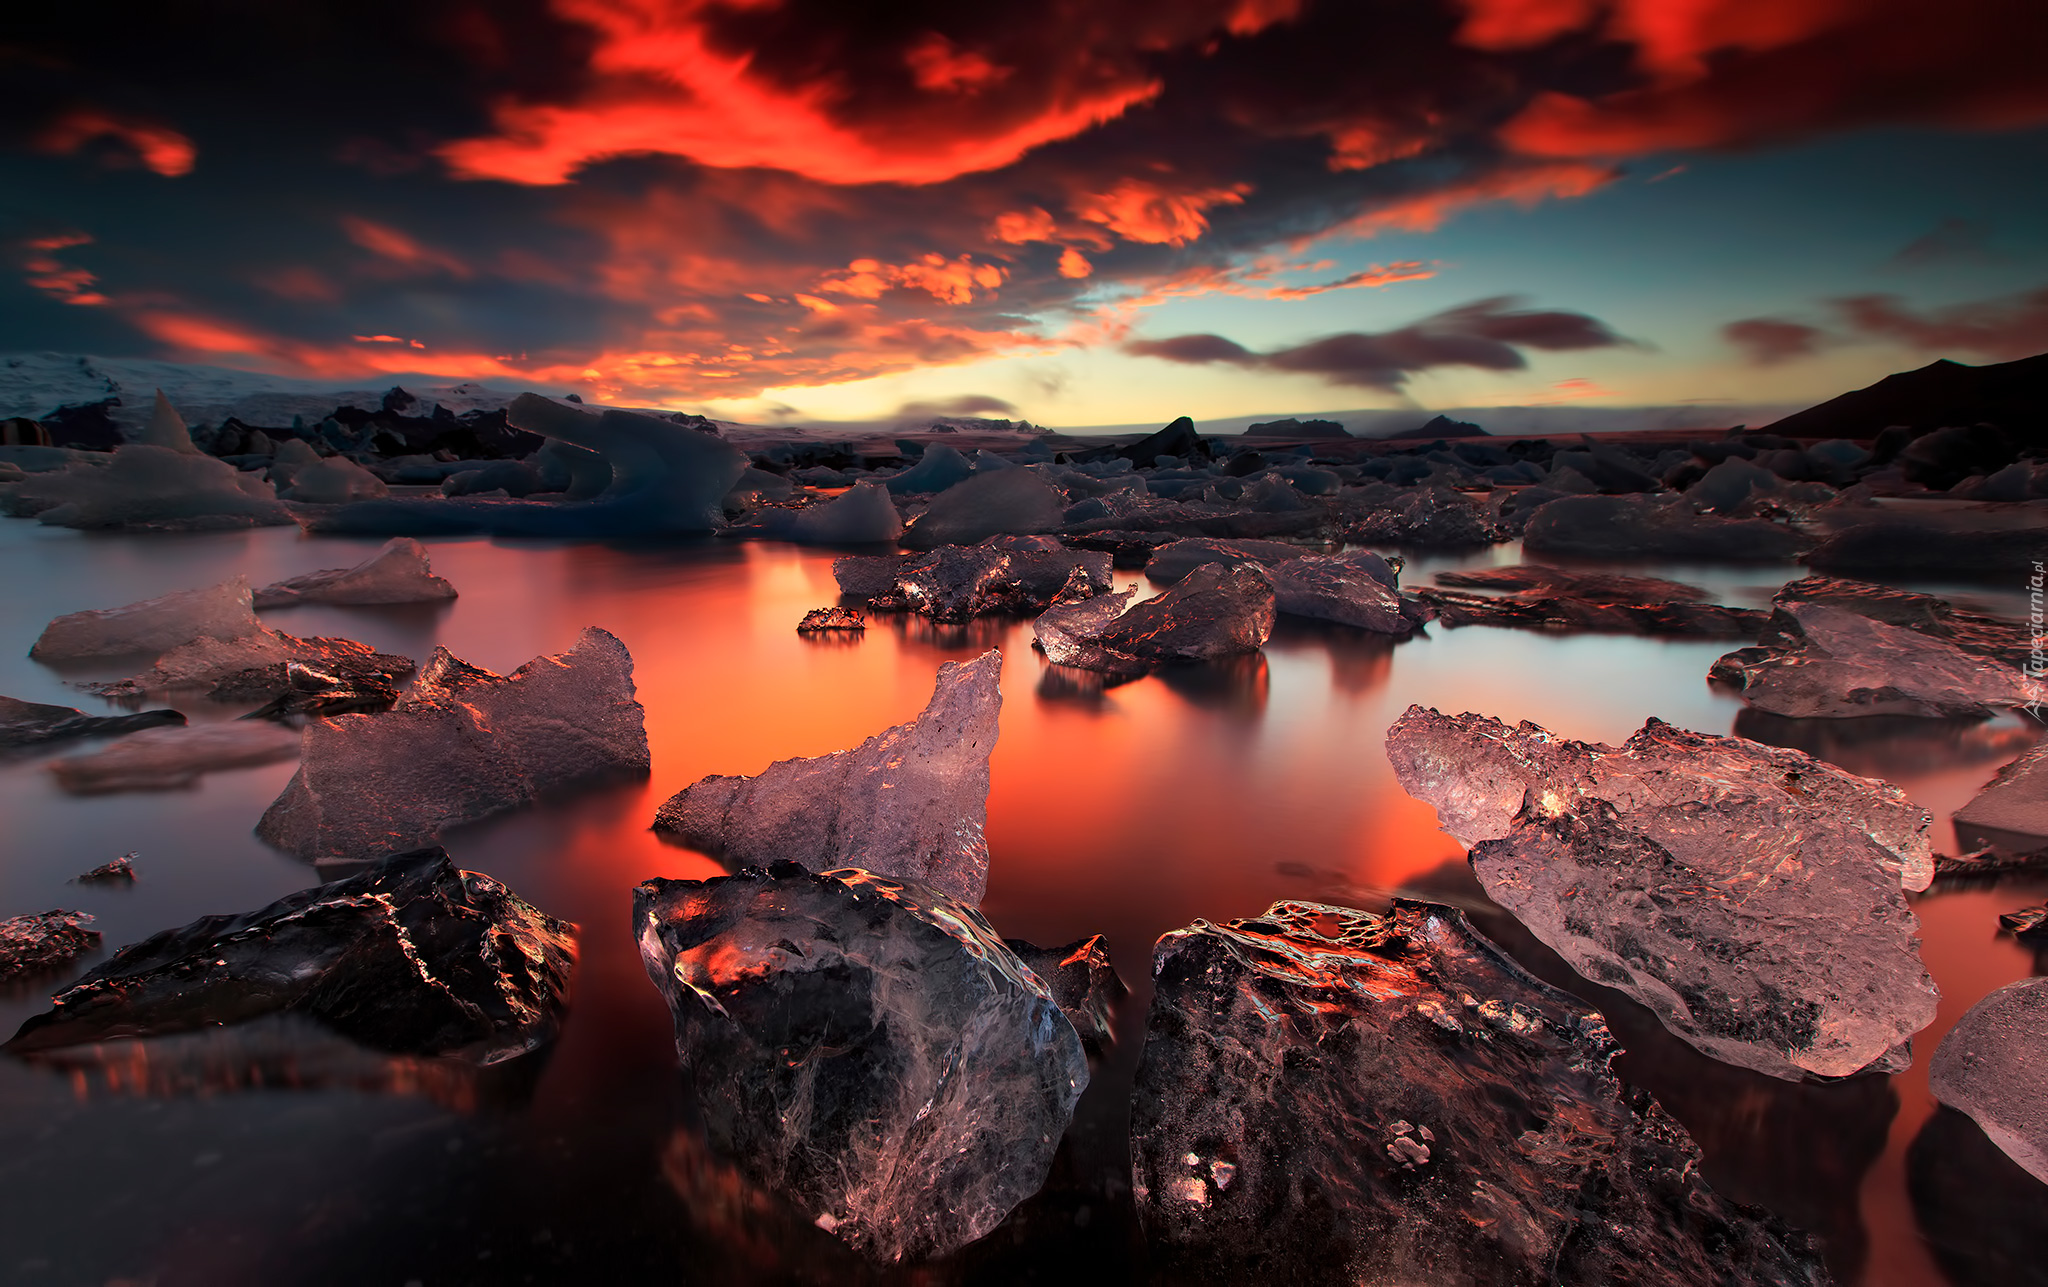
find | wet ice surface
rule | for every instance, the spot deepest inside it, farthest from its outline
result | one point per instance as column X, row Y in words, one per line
column 1991, row 1067
column 1198, row 792
column 866, row 1048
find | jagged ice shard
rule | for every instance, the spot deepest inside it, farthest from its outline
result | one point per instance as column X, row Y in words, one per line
column 867, row 1047
column 410, row 957
column 1991, row 1066
column 1328, row 1096
column 910, row 802
column 398, row 572
column 1750, row 896
column 460, row 745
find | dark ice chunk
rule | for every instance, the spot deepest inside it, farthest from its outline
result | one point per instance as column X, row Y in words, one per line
column 1646, row 527
column 31, row 723
column 869, row 1048
column 835, row 618
column 1328, row 1096
column 32, row 943
column 1215, row 612
column 409, row 957
column 1084, row 982
column 121, row 871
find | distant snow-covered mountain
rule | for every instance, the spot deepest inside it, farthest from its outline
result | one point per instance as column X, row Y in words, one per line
column 36, row 384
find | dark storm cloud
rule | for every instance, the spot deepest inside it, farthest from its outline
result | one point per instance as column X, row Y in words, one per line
column 694, row 199
column 1488, row 334
column 967, row 404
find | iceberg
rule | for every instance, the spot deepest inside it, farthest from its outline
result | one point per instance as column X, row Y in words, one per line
column 1354, row 589
column 32, row 944
column 156, row 626
column 1752, row 898
column 664, row 478
column 1216, row 611
column 866, row 1047
column 1007, row 502
column 940, row 468
column 397, row 573
column 30, row 723
column 336, row 480
column 909, row 803
column 1990, row 1067
column 1174, row 560
column 461, row 744
column 410, row 957
column 145, row 486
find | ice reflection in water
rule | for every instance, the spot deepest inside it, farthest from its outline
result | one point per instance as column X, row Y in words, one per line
column 1128, row 811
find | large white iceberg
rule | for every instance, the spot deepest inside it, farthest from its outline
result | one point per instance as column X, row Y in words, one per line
column 151, row 487
column 664, row 478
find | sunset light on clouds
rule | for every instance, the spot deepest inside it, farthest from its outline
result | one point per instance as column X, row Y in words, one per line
column 782, row 208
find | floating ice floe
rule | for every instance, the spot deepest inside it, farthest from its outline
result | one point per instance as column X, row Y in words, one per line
column 1174, row 560
column 144, row 486
column 165, row 759
column 218, row 612
column 664, row 478
column 1649, row 527
column 1625, row 860
column 30, row 723
column 398, row 572
column 908, row 803
column 1331, row 1096
column 1990, row 1067
column 867, row 1048
column 2012, row 809
column 336, row 480
column 1351, row 589
column 1827, row 662
column 411, row 957
column 1007, row 502
column 1216, row 611
column 29, row 944
column 939, row 468
column 460, row 745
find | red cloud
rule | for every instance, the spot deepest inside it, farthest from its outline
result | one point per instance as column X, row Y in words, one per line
column 401, row 249
column 1726, row 72
column 755, row 86
column 52, row 276
column 1768, row 341
column 1154, row 214
column 156, row 146
column 1525, row 185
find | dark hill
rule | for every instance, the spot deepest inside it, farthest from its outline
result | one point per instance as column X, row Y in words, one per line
column 1442, row 427
column 2012, row 395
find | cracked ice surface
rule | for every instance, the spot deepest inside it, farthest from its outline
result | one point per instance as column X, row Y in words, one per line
column 1990, row 1066
column 1215, row 611
column 867, row 1047
column 1328, row 1096
column 397, row 573
column 909, row 802
column 1750, row 896
column 411, row 957
column 461, row 744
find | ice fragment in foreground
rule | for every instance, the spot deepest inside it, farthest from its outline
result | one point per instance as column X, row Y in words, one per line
column 2013, row 807
column 397, row 573
column 1216, row 611
column 909, row 802
column 1328, row 1096
column 1746, row 895
column 462, row 744
column 867, row 1047
column 1354, row 589
column 410, row 957
column 1991, row 1066
column 30, row 943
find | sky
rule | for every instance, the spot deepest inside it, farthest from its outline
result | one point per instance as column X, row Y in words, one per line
column 1080, row 212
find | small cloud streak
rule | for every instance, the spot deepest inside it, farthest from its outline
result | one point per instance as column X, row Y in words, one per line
column 967, row 404
column 1773, row 341
column 65, row 283
column 155, row 146
column 2012, row 326
column 1488, row 334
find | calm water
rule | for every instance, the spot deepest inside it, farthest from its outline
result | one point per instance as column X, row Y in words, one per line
column 1208, row 793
